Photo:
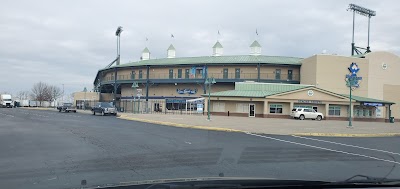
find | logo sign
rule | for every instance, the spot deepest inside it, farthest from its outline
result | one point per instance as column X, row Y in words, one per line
column 310, row 92
column 310, row 101
column 186, row 91
column 384, row 66
column 352, row 80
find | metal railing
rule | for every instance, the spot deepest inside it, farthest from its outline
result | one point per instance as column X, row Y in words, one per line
column 156, row 107
column 252, row 76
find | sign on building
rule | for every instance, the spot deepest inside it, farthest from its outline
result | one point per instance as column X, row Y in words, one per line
column 199, row 108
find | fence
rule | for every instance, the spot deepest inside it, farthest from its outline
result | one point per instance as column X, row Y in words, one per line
column 167, row 106
column 139, row 106
column 251, row 76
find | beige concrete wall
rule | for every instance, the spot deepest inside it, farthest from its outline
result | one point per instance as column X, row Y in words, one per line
column 231, row 106
column 246, row 72
column 392, row 93
column 106, row 97
column 332, row 70
column 378, row 76
column 163, row 72
column 308, row 71
column 87, row 96
column 318, row 95
column 268, row 72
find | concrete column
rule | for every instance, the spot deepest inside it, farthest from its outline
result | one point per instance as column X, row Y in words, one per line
column 326, row 110
column 291, row 106
column 266, row 108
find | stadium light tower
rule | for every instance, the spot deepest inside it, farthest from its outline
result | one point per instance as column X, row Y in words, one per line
column 364, row 12
column 118, row 34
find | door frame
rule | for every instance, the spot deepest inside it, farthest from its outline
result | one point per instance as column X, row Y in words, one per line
column 254, row 105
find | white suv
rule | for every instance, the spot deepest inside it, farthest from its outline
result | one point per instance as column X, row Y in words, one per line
column 306, row 113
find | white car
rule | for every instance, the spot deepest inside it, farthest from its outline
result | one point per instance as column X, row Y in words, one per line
column 306, row 113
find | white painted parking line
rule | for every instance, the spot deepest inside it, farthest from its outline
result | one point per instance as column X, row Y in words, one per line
column 322, row 148
column 348, row 145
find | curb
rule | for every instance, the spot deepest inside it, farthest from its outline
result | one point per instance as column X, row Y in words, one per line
column 38, row 108
column 348, row 135
column 181, row 125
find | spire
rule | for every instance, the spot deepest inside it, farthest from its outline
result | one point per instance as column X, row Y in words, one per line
column 171, row 51
column 255, row 48
column 145, row 54
column 218, row 49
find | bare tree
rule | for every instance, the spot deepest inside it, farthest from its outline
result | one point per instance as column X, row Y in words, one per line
column 22, row 95
column 54, row 92
column 40, row 92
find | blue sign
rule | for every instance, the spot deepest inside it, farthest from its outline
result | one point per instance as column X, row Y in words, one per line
column 182, row 101
column 372, row 104
column 186, row 91
column 352, row 80
column 354, row 68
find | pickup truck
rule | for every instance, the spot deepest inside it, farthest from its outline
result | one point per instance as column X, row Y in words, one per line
column 66, row 107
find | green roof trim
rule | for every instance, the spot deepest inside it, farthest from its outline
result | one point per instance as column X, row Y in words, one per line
column 365, row 99
column 255, row 44
column 217, row 45
column 258, row 90
column 238, row 59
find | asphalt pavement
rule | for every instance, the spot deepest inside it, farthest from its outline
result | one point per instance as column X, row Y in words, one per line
column 48, row 149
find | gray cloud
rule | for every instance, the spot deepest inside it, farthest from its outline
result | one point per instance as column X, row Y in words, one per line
column 66, row 42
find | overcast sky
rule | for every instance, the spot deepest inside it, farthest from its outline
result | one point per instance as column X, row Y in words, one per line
column 66, row 42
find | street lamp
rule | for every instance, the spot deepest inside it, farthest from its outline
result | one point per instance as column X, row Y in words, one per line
column 209, row 82
column 134, row 87
column 84, row 99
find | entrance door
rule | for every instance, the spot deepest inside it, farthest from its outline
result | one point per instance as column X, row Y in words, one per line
column 315, row 108
column 252, row 110
column 290, row 74
column 278, row 74
column 225, row 76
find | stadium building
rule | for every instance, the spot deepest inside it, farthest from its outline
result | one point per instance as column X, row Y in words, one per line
column 257, row 85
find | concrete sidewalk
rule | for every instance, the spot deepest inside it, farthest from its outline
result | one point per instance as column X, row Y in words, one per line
column 271, row 125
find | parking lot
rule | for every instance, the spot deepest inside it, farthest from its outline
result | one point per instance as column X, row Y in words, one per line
column 48, row 149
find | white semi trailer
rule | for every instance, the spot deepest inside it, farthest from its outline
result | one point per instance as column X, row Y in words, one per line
column 6, row 101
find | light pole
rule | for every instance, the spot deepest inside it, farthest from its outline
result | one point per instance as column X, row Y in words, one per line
column 209, row 82
column 118, row 34
column 84, row 99
column 351, row 82
column 134, row 87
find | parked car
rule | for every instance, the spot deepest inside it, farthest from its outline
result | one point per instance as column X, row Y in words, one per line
column 104, row 108
column 306, row 113
column 66, row 107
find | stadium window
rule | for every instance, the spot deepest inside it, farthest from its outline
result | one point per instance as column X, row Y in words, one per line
column 275, row 108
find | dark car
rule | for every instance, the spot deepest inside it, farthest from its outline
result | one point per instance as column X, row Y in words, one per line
column 104, row 108
column 66, row 107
